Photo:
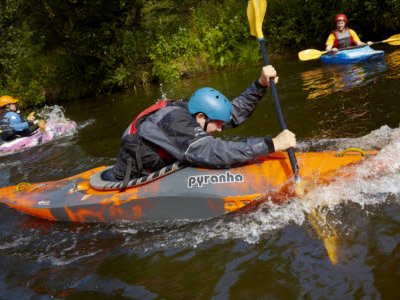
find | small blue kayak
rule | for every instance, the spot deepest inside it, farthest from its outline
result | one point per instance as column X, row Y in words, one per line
column 351, row 56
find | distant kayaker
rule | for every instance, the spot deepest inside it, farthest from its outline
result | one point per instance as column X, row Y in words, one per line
column 181, row 130
column 12, row 124
column 343, row 36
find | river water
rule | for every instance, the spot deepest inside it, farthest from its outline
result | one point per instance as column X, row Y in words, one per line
column 339, row 241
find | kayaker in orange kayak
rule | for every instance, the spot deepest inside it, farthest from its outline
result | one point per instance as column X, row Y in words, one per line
column 182, row 130
column 343, row 36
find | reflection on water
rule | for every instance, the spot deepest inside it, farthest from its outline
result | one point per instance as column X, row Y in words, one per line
column 328, row 79
column 393, row 63
column 350, row 99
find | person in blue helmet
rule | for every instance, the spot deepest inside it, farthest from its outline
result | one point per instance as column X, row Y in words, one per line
column 182, row 130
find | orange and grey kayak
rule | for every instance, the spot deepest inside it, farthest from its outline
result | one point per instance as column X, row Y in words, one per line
column 188, row 193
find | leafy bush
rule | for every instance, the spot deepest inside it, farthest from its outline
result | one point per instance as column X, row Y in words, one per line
column 63, row 49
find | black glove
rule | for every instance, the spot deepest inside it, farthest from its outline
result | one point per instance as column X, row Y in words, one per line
column 268, row 140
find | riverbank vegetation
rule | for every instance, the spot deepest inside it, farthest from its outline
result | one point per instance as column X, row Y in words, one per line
column 63, row 49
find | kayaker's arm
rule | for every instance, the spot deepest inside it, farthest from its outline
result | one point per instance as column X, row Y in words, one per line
column 215, row 153
column 244, row 105
column 357, row 40
column 329, row 42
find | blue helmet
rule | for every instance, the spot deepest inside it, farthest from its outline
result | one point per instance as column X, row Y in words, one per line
column 211, row 103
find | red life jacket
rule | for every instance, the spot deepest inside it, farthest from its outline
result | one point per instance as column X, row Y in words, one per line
column 343, row 40
column 148, row 111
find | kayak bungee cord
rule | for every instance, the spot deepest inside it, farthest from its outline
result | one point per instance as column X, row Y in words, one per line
column 99, row 184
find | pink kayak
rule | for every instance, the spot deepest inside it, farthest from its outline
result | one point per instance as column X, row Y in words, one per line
column 54, row 130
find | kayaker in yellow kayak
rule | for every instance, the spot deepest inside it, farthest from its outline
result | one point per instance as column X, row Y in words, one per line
column 343, row 36
column 12, row 124
column 182, row 130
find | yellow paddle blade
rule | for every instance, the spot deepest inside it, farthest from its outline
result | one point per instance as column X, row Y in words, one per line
column 255, row 13
column 31, row 116
column 394, row 40
column 42, row 126
column 300, row 188
column 327, row 233
column 310, row 54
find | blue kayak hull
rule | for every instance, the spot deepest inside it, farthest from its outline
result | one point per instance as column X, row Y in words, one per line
column 351, row 56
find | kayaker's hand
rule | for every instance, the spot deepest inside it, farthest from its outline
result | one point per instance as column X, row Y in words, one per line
column 334, row 49
column 369, row 43
column 31, row 116
column 284, row 140
column 267, row 73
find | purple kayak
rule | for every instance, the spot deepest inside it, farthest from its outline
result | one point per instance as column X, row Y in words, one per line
column 54, row 130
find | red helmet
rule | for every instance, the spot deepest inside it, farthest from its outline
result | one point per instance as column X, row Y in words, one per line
column 341, row 17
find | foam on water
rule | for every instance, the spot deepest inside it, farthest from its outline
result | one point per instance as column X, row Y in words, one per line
column 376, row 139
column 372, row 180
column 86, row 123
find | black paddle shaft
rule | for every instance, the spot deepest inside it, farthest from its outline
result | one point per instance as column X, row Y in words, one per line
column 292, row 157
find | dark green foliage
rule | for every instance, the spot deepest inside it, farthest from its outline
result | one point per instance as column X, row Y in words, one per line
column 300, row 24
column 63, row 49
column 206, row 35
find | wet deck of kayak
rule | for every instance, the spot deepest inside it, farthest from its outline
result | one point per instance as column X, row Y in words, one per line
column 342, row 240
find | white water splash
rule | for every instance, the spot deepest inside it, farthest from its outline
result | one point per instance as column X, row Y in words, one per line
column 62, row 260
column 15, row 243
column 86, row 123
column 372, row 180
column 56, row 122
column 376, row 139
column 54, row 113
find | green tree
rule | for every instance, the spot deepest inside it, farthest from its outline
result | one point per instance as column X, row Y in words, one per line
column 63, row 49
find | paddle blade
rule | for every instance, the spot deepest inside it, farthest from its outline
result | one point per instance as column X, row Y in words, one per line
column 310, row 54
column 31, row 116
column 300, row 187
column 394, row 40
column 255, row 13
column 326, row 232
column 42, row 126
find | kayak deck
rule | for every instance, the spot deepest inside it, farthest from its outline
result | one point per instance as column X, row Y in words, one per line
column 189, row 193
